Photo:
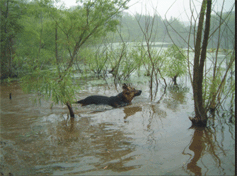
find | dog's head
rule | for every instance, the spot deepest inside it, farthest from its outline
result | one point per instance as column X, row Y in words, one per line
column 129, row 93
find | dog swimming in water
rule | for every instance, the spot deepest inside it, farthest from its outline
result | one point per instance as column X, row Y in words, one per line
column 122, row 99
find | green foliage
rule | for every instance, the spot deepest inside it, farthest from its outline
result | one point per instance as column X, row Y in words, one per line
column 219, row 82
column 95, row 59
column 52, row 40
column 91, row 20
column 175, row 62
column 212, row 84
column 10, row 26
column 152, row 60
column 49, row 86
column 120, row 61
column 132, row 61
column 125, row 59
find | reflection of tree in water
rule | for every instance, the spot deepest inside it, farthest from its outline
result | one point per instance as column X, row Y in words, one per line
column 153, row 116
column 197, row 146
column 175, row 96
column 205, row 142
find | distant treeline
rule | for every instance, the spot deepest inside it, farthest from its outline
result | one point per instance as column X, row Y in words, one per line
column 174, row 30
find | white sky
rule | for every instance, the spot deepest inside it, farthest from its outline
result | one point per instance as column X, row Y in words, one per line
column 176, row 8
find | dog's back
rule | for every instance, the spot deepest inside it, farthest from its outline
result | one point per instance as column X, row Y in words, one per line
column 94, row 99
column 122, row 99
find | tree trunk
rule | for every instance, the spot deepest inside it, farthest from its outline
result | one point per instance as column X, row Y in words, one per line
column 200, row 118
column 175, row 80
column 69, row 106
column 6, row 44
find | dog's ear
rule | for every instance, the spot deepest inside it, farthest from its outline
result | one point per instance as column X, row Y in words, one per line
column 125, row 86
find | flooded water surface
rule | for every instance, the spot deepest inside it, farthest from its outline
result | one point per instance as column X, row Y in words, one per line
column 144, row 138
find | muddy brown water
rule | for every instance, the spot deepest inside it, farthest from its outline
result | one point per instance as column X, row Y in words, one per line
column 145, row 138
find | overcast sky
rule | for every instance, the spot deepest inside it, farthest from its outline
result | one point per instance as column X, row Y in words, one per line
column 166, row 8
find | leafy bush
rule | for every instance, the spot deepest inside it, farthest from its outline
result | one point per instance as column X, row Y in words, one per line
column 175, row 62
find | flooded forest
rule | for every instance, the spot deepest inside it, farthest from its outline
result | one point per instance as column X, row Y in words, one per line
column 161, row 92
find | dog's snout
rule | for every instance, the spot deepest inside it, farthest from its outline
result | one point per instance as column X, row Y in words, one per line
column 138, row 93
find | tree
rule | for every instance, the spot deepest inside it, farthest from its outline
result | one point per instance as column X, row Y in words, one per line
column 153, row 58
column 211, row 78
column 200, row 118
column 209, row 96
column 175, row 62
column 52, row 74
column 10, row 26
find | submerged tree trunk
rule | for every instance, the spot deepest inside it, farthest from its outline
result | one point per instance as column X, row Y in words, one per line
column 200, row 118
column 175, row 80
column 69, row 106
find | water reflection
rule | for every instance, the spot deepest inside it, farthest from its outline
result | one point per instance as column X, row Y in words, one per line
column 109, row 147
column 205, row 143
column 113, row 150
column 129, row 111
column 176, row 95
column 153, row 140
column 197, row 146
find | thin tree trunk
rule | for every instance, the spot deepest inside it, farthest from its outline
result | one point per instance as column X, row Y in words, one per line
column 200, row 118
column 69, row 106
column 56, row 49
column 41, row 36
column 175, row 80
column 196, row 64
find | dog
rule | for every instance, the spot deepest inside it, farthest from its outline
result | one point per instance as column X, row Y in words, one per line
column 122, row 99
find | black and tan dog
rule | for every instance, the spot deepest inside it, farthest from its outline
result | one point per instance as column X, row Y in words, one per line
column 122, row 99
